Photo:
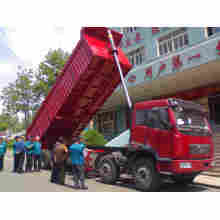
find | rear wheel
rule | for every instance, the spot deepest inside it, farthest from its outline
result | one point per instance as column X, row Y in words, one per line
column 145, row 175
column 108, row 170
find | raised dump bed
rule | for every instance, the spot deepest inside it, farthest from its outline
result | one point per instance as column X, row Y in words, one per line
column 88, row 78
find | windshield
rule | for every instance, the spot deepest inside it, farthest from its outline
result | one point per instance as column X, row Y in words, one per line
column 190, row 120
column 189, row 117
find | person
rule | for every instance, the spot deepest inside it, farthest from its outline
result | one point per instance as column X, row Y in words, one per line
column 60, row 154
column 77, row 159
column 15, row 154
column 19, row 154
column 29, row 152
column 2, row 152
column 37, row 154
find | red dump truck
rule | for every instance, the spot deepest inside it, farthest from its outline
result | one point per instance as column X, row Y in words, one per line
column 168, row 137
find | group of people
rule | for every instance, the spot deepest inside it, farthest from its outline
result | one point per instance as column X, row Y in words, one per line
column 62, row 150
column 29, row 149
column 27, row 158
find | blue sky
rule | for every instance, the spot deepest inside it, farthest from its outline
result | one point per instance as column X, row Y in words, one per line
column 27, row 46
column 6, row 53
column 8, row 59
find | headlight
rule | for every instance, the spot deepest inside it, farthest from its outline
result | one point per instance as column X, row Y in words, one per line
column 185, row 165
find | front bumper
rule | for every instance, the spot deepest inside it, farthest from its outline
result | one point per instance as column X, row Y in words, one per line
column 196, row 166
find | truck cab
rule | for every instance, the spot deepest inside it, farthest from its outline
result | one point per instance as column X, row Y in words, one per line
column 177, row 134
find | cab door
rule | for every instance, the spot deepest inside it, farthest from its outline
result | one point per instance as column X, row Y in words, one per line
column 143, row 129
column 150, row 129
column 164, row 133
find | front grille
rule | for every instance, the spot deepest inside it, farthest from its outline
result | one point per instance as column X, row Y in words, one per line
column 196, row 133
column 199, row 148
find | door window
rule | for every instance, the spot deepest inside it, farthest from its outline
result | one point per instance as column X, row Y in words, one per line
column 153, row 118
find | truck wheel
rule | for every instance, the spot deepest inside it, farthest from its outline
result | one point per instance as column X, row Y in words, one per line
column 108, row 170
column 184, row 180
column 145, row 175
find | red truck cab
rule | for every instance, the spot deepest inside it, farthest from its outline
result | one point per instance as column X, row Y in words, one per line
column 176, row 132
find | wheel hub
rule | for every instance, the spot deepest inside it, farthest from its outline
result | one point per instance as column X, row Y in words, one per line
column 144, row 175
column 106, row 169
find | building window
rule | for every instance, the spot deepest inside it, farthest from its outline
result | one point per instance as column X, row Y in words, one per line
column 106, row 123
column 173, row 41
column 212, row 30
column 129, row 29
column 136, row 57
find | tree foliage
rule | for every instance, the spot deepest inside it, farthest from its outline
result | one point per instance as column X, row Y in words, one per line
column 3, row 126
column 25, row 95
column 48, row 70
column 94, row 138
column 10, row 122
column 19, row 96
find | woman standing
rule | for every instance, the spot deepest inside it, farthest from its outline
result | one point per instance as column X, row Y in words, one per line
column 37, row 154
column 2, row 152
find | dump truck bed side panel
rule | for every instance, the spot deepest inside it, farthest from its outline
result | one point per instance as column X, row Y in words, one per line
column 87, row 80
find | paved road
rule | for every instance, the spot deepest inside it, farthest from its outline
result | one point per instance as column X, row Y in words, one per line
column 39, row 182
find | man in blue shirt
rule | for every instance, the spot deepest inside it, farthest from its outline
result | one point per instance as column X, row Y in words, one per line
column 29, row 152
column 15, row 155
column 37, row 154
column 77, row 159
column 19, row 152
column 2, row 152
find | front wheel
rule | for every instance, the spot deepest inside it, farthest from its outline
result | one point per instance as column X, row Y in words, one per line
column 145, row 175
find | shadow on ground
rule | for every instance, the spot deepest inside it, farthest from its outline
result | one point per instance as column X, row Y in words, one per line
column 166, row 186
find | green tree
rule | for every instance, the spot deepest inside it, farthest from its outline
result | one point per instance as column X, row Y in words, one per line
column 19, row 96
column 48, row 70
column 3, row 126
column 94, row 138
column 9, row 122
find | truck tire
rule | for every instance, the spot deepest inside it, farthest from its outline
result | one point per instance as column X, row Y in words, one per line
column 108, row 170
column 145, row 175
column 97, row 161
column 184, row 180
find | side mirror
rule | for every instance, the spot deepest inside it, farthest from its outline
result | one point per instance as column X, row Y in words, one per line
column 167, row 124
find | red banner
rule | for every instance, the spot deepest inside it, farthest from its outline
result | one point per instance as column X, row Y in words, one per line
column 132, row 79
column 148, row 73
column 128, row 43
column 177, row 63
column 162, row 67
column 155, row 30
column 138, row 37
column 196, row 56
column 218, row 47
